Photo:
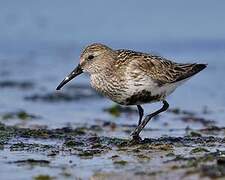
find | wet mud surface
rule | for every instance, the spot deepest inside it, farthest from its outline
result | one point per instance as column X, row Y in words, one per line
column 200, row 153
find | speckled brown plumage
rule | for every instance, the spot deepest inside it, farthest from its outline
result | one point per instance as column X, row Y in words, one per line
column 132, row 78
column 158, row 68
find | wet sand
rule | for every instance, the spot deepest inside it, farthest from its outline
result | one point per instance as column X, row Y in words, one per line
column 83, row 152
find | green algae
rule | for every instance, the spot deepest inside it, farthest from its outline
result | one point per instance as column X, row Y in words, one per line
column 43, row 177
column 195, row 134
column 30, row 147
column 84, row 137
column 72, row 143
column 199, row 164
column 143, row 157
column 66, row 174
column 22, row 115
column 34, row 133
column 6, row 133
column 198, row 150
column 85, row 143
column 88, row 154
column 120, row 162
column 116, row 110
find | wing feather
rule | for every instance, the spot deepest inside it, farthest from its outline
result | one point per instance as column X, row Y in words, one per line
column 158, row 68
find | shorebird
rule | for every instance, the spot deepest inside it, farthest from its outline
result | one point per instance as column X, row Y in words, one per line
column 132, row 78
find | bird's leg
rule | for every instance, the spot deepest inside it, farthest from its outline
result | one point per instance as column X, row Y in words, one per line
column 141, row 113
column 136, row 132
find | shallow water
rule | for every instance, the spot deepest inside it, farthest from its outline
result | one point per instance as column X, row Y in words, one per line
column 40, row 44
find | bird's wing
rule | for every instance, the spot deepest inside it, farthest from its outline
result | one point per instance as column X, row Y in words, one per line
column 158, row 68
column 164, row 71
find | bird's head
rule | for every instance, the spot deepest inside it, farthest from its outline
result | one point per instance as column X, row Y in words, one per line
column 93, row 60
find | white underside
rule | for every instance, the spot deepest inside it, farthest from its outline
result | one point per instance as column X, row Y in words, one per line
column 149, row 85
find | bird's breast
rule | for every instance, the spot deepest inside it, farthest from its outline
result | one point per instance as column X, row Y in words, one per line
column 109, row 87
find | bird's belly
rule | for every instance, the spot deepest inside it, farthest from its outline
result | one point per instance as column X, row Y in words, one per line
column 143, row 97
column 133, row 92
column 147, row 92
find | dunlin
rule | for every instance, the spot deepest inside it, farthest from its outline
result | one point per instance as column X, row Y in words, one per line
column 132, row 78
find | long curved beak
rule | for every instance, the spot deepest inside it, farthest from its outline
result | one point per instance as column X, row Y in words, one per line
column 78, row 70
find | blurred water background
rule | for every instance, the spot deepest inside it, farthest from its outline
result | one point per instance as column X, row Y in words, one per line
column 40, row 42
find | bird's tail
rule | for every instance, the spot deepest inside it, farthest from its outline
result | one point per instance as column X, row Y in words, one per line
column 190, row 70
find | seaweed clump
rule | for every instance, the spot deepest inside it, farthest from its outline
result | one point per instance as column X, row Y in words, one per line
column 22, row 115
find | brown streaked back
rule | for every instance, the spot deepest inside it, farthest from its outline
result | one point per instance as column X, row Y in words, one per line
column 158, row 68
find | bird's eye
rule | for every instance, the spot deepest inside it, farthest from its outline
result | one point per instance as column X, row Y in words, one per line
column 90, row 57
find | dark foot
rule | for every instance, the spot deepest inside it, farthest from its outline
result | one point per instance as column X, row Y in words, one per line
column 136, row 137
